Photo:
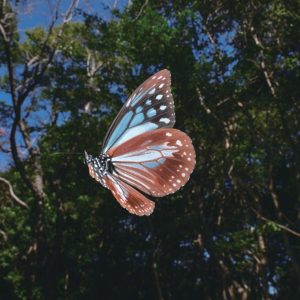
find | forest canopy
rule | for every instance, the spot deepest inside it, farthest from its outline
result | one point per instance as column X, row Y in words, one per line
column 233, row 232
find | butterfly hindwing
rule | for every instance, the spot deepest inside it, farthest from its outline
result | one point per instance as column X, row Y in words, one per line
column 128, row 197
column 157, row 162
column 149, row 107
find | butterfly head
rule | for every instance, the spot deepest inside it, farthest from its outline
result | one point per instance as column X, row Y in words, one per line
column 88, row 157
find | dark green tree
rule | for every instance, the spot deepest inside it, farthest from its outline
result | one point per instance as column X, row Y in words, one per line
column 232, row 232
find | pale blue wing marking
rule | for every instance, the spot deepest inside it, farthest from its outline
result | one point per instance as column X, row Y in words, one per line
column 151, row 112
column 138, row 119
column 151, row 164
column 135, row 166
column 121, row 127
column 139, row 96
column 134, row 131
column 139, row 109
column 168, row 153
column 158, row 147
column 142, row 156
column 151, row 153
column 161, row 160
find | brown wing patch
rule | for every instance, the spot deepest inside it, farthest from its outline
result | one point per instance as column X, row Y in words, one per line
column 129, row 198
column 158, row 162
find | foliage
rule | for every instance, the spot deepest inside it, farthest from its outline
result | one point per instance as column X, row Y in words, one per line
column 225, row 235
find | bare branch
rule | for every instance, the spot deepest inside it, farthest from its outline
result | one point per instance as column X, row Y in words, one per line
column 17, row 109
column 4, row 235
column 259, row 216
column 92, row 65
column 69, row 13
column 12, row 193
column 115, row 4
column 40, row 64
column 221, row 102
column 25, row 135
column 201, row 99
column 141, row 10
column 263, row 64
column 30, row 80
column 3, row 33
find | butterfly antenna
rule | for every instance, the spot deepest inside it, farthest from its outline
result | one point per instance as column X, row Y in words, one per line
column 66, row 153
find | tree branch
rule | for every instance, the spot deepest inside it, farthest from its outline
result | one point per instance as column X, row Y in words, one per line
column 259, row 216
column 263, row 64
column 12, row 193
column 28, row 84
column 17, row 110
column 3, row 233
column 141, row 10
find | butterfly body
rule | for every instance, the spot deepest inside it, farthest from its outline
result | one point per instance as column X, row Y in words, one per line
column 99, row 166
column 141, row 151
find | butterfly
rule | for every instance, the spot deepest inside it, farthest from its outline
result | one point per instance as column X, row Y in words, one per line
column 142, row 153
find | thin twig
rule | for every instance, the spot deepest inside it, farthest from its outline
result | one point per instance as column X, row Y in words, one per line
column 259, row 216
column 3, row 33
column 12, row 193
column 141, row 10
column 263, row 64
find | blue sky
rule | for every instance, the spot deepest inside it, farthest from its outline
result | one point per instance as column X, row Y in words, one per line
column 39, row 13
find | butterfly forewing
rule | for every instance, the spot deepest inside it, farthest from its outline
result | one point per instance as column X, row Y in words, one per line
column 157, row 162
column 129, row 198
column 149, row 107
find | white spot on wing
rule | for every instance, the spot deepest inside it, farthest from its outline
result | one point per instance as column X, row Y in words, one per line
column 158, row 97
column 164, row 120
column 168, row 134
column 152, row 91
column 178, row 142
column 162, row 107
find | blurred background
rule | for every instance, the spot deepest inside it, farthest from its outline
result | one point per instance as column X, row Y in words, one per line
column 232, row 232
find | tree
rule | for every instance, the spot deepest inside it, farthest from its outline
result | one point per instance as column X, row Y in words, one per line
column 232, row 232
